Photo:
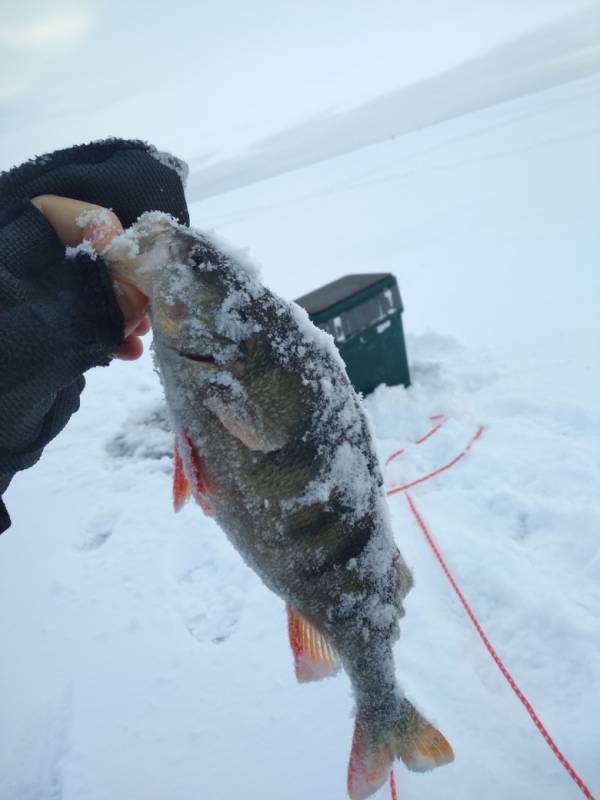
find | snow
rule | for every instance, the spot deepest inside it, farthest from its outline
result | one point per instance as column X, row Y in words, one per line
column 84, row 247
column 143, row 659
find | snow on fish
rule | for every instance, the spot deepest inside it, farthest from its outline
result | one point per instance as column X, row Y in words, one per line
column 272, row 441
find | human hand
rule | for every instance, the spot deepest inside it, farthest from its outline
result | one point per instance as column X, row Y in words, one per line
column 63, row 214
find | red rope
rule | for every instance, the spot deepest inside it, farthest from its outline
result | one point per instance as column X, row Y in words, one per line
column 435, row 473
column 488, row 645
column 435, row 429
column 511, row 681
column 393, row 791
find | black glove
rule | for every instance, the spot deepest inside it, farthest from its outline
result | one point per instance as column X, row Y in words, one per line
column 58, row 315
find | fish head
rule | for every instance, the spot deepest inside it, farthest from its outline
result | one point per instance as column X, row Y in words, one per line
column 187, row 318
column 187, row 284
column 213, row 332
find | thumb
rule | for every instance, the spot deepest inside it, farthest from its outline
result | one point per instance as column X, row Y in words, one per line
column 132, row 303
column 74, row 221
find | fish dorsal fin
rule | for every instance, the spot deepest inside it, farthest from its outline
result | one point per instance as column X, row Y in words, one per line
column 181, row 487
column 314, row 656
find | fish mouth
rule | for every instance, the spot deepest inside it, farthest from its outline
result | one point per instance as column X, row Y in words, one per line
column 198, row 358
column 205, row 359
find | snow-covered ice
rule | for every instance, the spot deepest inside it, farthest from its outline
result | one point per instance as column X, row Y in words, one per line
column 147, row 660
column 142, row 659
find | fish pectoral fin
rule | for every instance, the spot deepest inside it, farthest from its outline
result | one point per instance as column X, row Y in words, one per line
column 314, row 655
column 181, row 487
column 254, row 436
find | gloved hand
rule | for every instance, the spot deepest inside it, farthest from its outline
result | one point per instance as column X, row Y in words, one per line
column 59, row 315
column 65, row 216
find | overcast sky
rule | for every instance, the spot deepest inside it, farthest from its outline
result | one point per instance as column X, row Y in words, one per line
column 207, row 79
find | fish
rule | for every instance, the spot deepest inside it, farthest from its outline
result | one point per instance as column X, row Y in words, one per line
column 272, row 441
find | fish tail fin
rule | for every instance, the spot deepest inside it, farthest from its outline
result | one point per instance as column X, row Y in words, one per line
column 371, row 759
column 375, row 746
column 420, row 746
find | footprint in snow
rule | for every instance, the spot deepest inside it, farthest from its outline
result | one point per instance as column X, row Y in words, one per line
column 210, row 602
column 97, row 531
column 145, row 437
column 212, row 581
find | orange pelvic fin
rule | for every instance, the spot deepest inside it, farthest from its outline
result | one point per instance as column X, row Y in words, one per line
column 314, row 656
column 181, row 487
column 197, row 478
